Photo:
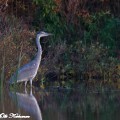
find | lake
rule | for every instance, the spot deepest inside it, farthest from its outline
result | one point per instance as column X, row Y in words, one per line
column 59, row 104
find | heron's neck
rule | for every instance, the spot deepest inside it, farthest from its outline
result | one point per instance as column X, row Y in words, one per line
column 39, row 52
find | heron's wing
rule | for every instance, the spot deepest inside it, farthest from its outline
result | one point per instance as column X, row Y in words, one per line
column 24, row 73
column 28, row 67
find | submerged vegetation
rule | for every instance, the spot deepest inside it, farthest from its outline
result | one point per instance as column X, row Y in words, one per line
column 85, row 46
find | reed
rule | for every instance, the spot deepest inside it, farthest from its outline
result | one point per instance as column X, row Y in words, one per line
column 2, row 70
column 18, row 66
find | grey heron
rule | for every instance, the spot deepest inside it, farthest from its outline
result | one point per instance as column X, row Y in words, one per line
column 28, row 72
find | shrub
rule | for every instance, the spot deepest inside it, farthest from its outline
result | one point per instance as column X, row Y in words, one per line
column 70, row 22
column 83, row 36
column 103, row 28
column 15, row 36
column 80, row 62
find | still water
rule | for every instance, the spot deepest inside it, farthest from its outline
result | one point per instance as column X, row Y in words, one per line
column 58, row 104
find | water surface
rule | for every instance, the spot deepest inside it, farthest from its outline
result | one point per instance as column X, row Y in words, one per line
column 59, row 104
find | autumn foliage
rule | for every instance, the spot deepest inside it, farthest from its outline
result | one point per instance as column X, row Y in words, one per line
column 84, row 31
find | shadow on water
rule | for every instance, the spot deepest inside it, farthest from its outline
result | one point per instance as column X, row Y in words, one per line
column 56, row 104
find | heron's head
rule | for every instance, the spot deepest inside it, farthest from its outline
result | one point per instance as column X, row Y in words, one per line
column 43, row 34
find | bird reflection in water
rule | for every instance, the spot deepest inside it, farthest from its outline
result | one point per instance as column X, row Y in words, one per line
column 28, row 103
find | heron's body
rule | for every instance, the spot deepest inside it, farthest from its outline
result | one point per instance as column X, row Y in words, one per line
column 29, row 71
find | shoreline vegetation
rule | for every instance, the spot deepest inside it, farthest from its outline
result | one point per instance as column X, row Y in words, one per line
column 85, row 47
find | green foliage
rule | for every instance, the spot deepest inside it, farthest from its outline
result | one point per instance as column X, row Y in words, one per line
column 54, row 22
column 103, row 28
column 100, row 27
column 81, row 37
column 79, row 41
column 46, row 15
